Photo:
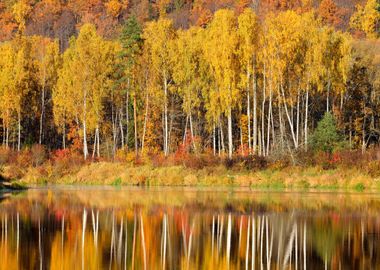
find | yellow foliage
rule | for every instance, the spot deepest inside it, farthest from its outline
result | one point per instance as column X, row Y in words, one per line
column 114, row 7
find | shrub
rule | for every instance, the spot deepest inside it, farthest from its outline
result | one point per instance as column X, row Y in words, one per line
column 4, row 155
column 66, row 161
column 359, row 187
column 305, row 158
column 24, row 158
column 373, row 168
column 247, row 162
column 325, row 137
column 38, row 154
column 120, row 155
column 200, row 161
column 116, row 182
column 158, row 160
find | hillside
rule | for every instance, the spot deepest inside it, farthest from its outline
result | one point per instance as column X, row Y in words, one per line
column 61, row 19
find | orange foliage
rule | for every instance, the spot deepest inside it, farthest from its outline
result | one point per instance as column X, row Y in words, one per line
column 330, row 13
column 7, row 23
column 74, row 136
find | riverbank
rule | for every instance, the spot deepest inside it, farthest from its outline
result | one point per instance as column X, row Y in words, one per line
column 10, row 185
column 294, row 177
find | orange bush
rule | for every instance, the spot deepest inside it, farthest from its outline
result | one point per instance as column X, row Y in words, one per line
column 24, row 158
column 4, row 155
column 66, row 161
column 38, row 154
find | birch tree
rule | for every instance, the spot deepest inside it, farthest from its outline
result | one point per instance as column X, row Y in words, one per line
column 158, row 35
column 248, row 31
column 221, row 52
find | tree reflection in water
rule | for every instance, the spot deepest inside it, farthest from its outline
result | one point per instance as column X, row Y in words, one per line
column 188, row 229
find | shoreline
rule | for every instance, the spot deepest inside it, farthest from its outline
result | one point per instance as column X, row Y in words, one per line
column 293, row 178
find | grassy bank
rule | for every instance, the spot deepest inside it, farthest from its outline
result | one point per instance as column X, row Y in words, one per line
column 107, row 173
column 348, row 170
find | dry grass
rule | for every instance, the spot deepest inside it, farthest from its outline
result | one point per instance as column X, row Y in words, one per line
column 107, row 173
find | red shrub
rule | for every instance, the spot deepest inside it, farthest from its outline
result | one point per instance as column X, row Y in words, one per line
column 66, row 161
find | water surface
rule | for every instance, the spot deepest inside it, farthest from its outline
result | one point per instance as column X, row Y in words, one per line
column 177, row 228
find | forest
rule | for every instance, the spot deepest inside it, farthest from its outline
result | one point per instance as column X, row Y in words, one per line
column 115, row 79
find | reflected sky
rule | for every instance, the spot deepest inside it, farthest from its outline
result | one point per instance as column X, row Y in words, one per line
column 179, row 228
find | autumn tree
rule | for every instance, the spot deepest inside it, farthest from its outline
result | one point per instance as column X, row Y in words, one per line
column 329, row 12
column 158, row 35
column 126, row 71
column 221, row 52
column 7, row 87
column 248, row 31
column 83, row 83
column 47, row 58
column 367, row 18
column 187, row 73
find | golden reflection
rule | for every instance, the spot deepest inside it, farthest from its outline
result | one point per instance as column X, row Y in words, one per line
column 71, row 229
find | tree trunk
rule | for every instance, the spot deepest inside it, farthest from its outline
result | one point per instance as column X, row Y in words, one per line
column 298, row 117
column 350, row 131
column 288, row 116
column 281, row 122
column 42, row 113
column 192, row 132
column 249, row 112
column 273, row 132
column 222, row 136
column 241, row 139
column 121, row 128
column 254, row 113
column 145, row 122
column 364, row 146
column 94, row 147
column 127, row 116
column 269, row 119
column 306, row 116
column 165, row 116
column 4, row 132
column 260, row 144
column 7, row 139
column 19, row 132
column 114, row 130
column 185, row 132
column 230, row 146
column 219, row 138
column 135, row 123
column 64, row 136
column 85, row 149
column 213, row 139
column 98, row 142
column 328, row 95
column 263, row 115
column 171, row 117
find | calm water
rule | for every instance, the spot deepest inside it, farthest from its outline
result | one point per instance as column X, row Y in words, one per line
column 161, row 228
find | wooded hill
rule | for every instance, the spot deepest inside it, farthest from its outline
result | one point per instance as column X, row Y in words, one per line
column 224, row 77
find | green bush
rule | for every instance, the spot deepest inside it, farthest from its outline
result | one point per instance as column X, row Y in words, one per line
column 325, row 137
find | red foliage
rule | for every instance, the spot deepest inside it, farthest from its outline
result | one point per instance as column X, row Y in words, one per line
column 66, row 161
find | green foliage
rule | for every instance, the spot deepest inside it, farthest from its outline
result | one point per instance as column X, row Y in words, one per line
column 131, row 46
column 326, row 136
column 359, row 187
column 116, row 182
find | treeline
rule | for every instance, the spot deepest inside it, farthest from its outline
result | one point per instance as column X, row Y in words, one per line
column 62, row 18
column 239, row 85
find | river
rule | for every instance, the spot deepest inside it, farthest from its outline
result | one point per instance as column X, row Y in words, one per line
column 73, row 227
